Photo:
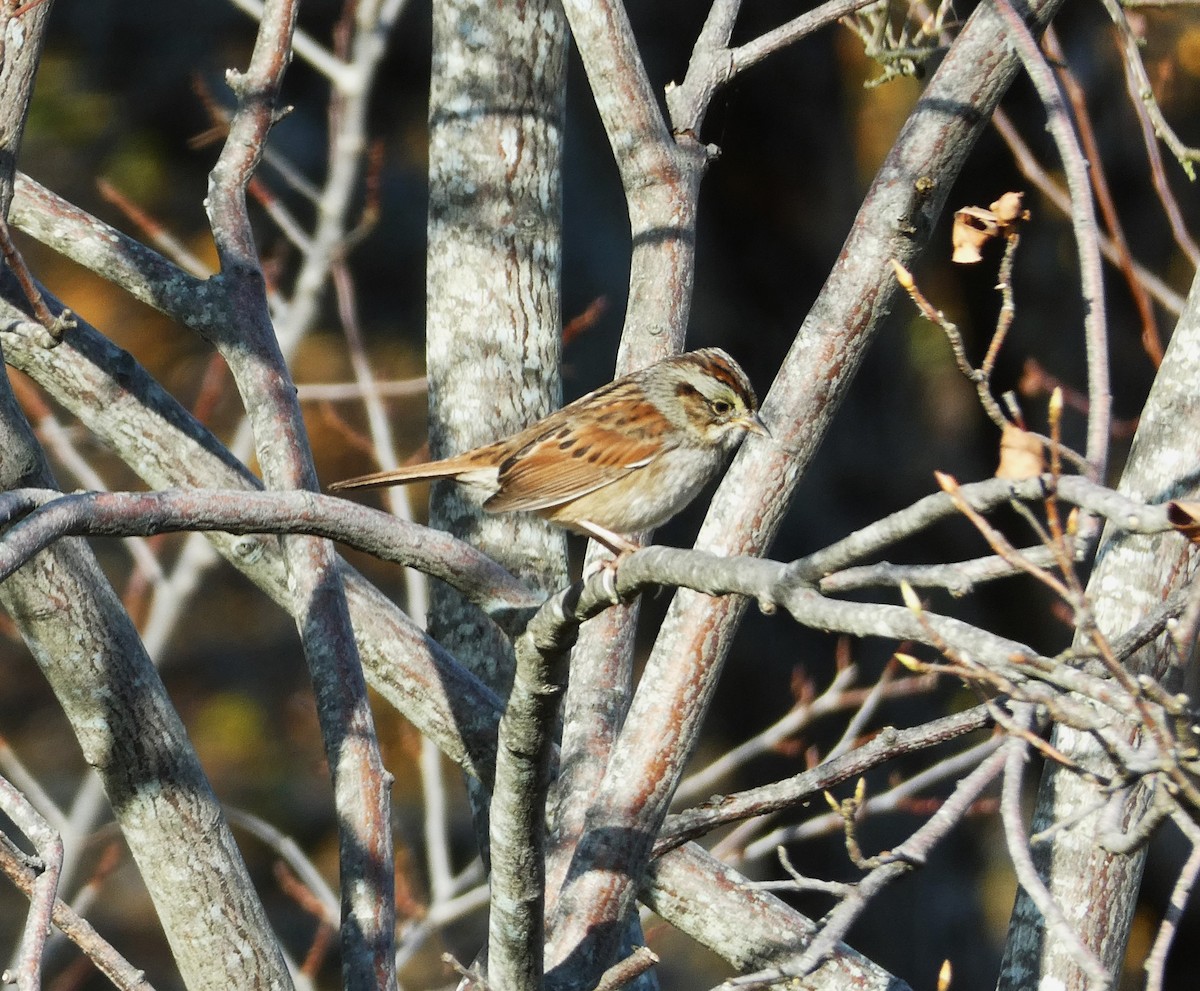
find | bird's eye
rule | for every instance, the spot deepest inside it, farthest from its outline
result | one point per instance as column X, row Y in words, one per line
column 722, row 407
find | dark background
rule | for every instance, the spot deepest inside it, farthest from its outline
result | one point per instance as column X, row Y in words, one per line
column 800, row 138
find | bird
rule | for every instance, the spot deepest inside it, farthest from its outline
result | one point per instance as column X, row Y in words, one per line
column 624, row 458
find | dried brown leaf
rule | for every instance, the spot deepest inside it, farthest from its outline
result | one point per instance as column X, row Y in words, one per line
column 1010, row 208
column 1021, row 454
column 973, row 228
column 1185, row 518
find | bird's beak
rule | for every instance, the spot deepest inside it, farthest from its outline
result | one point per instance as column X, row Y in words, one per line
column 754, row 425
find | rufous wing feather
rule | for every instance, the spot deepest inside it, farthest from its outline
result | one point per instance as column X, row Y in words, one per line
column 556, row 469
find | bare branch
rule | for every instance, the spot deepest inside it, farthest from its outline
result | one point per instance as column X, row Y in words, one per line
column 886, row 744
column 238, row 322
column 899, row 862
column 1015, row 755
column 1083, row 219
column 44, row 889
column 108, row 961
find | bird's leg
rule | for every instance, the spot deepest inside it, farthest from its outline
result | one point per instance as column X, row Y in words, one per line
column 621, row 548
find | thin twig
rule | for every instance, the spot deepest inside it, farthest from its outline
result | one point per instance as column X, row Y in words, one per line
column 290, row 852
column 915, row 850
column 15, row 262
column 1015, row 756
column 1031, row 169
column 891, row 800
column 624, row 971
column 108, row 961
column 1083, row 220
column 1158, row 174
column 44, row 889
column 1156, row 959
column 888, row 744
column 1144, row 90
column 335, row 392
column 1151, row 341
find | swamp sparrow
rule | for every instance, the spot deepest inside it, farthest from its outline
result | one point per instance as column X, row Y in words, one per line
column 624, row 458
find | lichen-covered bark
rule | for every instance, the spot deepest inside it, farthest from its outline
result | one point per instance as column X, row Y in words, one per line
column 1134, row 573
column 492, row 276
column 89, row 652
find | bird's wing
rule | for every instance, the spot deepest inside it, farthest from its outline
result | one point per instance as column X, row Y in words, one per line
column 561, row 466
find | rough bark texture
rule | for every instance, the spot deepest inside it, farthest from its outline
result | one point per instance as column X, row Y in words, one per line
column 493, row 322
column 492, row 278
column 89, row 651
column 663, row 725
column 1134, row 573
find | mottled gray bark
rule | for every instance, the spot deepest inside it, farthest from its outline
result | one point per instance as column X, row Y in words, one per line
column 493, row 343
column 1134, row 573
column 87, row 648
column 493, row 320
column 663, row 724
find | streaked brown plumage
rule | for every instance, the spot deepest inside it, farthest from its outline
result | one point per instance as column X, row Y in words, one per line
column 624, row 458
